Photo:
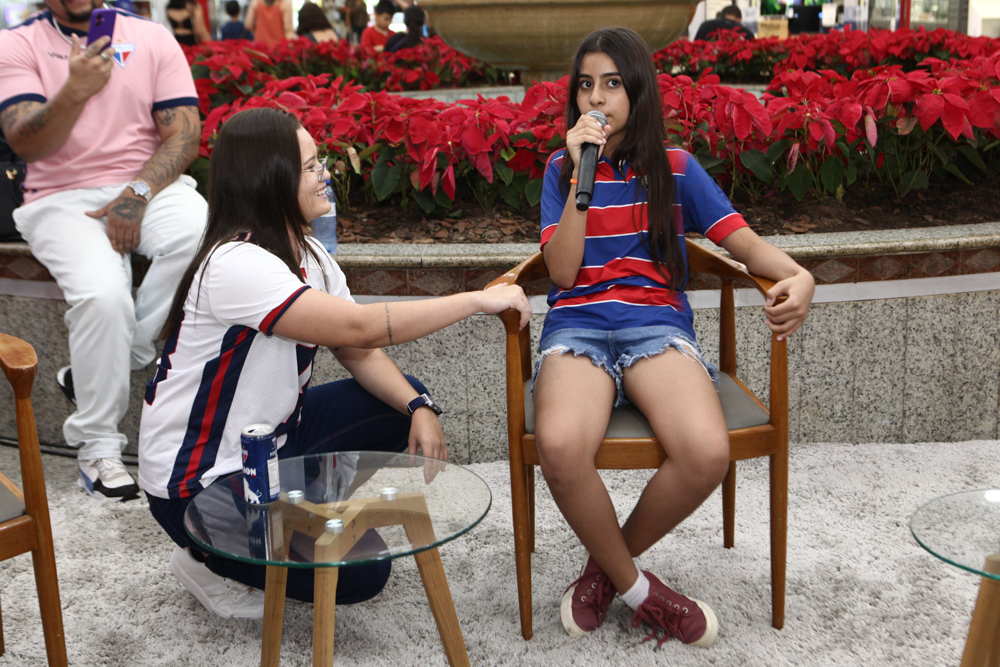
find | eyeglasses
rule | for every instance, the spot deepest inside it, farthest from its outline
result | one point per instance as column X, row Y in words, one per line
column 321, row 169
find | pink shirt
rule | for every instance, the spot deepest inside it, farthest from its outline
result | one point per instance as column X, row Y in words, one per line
column 116, row 133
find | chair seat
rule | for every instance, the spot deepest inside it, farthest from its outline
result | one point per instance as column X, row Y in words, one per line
column 10, row 506
column 739, row 409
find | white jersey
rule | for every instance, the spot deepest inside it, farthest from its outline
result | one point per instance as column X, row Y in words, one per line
column 223, row 370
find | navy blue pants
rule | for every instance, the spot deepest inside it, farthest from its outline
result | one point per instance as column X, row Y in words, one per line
column 338, row 416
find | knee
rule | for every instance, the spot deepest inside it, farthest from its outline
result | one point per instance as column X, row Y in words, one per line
column 707, row 466
column 107, row 303
column 560, row 459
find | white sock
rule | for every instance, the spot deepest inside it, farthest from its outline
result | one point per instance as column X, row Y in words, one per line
column 636, row 595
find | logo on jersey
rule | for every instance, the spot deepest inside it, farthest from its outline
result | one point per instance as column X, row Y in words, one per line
column 122, row 53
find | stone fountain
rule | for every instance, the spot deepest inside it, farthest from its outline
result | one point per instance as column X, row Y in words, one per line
column 538, row 37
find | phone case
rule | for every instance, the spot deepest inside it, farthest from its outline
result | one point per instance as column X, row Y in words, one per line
column 102, row 24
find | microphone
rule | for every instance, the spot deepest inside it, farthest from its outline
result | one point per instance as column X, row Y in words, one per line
column 588, row 168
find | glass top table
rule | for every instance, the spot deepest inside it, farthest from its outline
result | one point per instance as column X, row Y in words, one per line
column 327, row 503
column 963, row 529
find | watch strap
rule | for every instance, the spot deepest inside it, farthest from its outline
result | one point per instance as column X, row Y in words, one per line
column 421, row 401
column 141, row 189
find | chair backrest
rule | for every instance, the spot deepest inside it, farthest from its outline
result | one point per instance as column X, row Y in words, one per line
column 19, row 364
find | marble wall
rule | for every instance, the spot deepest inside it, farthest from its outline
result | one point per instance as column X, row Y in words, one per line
column 919, row 369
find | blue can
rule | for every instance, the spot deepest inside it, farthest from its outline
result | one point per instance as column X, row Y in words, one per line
column 260, row 464
column 265, row 532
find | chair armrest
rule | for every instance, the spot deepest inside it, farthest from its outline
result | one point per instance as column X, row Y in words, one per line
column 703, row 260
column 18, row 361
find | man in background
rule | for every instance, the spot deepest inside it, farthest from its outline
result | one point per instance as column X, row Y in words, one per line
column 731, row 19
column 107, row 130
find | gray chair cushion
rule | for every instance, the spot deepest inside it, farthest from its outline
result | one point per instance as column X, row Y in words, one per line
column 738, row 408
column 10, row 506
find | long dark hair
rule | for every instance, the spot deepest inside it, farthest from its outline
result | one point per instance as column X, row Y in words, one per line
column 253, row 186
column 413, row 17
column 311, row 17
column 644, row 143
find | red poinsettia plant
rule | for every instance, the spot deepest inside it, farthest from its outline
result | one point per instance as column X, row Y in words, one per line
column 815, row 131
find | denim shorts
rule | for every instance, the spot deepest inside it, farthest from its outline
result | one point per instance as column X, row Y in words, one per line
column 616, row 350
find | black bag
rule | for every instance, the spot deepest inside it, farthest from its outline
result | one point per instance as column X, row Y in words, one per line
column 11, row 177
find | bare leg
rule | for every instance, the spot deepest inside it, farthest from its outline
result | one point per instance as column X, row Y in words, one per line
column 681, row 403
column 573, row 400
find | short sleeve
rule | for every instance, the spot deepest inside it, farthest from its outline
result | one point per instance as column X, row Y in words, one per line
column 19, row 77
column 248, row 286
column 174, row 86
column 704, row 205
column 553, row 199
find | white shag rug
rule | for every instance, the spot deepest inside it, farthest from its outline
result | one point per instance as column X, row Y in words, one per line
column 860, row 590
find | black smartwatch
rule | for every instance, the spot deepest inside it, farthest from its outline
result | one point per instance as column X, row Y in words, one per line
column 423, row 401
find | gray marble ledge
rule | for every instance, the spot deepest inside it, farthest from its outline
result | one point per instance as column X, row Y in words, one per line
column 799, row 246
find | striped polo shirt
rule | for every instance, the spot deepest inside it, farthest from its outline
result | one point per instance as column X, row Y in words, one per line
column 618, row 287
column 223, row 369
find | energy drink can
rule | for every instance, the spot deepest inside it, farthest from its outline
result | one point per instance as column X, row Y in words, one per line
column 260, row 464
column 265, row 532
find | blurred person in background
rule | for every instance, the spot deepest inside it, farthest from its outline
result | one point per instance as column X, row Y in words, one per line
column 187, row 22
column 356, row 17
column 414, row 18
column 234, row 28
column 270, row 21
column 376, row 35
column 314, row 25
column 730, row 18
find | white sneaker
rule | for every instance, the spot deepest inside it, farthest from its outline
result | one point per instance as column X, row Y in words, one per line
column 221, row 596
column 107, row 479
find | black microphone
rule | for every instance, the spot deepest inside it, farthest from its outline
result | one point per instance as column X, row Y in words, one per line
column 588, row 168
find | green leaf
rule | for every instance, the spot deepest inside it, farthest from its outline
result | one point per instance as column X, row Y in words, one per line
column 511, row 196
column 505, row 172
column 200, row 71
column 363, row 155
column 852, row 172
column 533, row 191
column 844, row 150
column 777, row 149
column 457, row 213
column 937, row 151
column 385, row 178
column 952, row 168
column 799, row 181
column 972, row 156
column 913, row 180
column 707, row 160
column 758, row 163
column 425, row 199
column 441, row 199
column 831, row 174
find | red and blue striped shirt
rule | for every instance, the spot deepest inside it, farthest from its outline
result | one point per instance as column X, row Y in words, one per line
column 618, row 286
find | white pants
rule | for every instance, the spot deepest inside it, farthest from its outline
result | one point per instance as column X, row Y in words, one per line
column 111, row 334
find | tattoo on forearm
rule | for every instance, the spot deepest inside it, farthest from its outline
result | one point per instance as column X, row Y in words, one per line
column 176, row 153
column 388, row 324
column 129, row 210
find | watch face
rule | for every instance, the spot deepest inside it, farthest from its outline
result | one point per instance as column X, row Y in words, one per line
column 141, row 189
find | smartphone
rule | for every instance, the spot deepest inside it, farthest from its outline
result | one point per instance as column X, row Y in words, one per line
column 102, row 24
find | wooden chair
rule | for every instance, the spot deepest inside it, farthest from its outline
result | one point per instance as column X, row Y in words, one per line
column 629, row 443
column 24, row 517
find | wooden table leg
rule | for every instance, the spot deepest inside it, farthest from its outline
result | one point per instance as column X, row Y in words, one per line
column 442, row 606
column 324, row 614
column 982, row 648
column 274, row 613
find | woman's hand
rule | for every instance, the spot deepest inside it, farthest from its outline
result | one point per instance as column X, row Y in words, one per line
column 427, row 437
column 785, row 317
column 503, row 297
column 586, row 131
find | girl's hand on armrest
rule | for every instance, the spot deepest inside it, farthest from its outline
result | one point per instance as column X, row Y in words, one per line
column 503, row 297
column 786, row 317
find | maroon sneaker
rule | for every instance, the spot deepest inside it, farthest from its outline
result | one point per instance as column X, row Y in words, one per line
column 585, row 602
column 691, row 621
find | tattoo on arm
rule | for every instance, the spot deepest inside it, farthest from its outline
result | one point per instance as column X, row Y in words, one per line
column 388, row 324
column 178, row 151
column 27, row 118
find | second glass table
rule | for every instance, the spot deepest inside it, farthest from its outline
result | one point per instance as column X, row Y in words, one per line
column 328, row 502
column 963, row 529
